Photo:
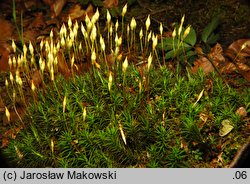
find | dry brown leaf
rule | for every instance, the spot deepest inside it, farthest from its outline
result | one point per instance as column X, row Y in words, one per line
column 184, row 145
column 241, row 111
column 6, row 30
column 199, row 51
column 246, row 75
column 235, row 50
column 77, row 12
column 2, row 106
column 83, row 67
column 62, row 66
column 110, row 59
column 228, row 68
column 203, row 117
column 48, row 2
column 36, row 78
column 90, row 11
column 30, row 35
column 216, row 55
column 38, row 22
column 57, row 7
column 204, row 64
column 220, row 159
column 11, row 133
column 237, row 54
column 4, row 54
column 31, row 3
column 243, row 67
column 5, row 142
column 110, row 3
column 209, row 85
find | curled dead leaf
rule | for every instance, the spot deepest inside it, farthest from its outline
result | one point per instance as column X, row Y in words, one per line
column 216, row 54
column 237, row 54
column 235, row 49
column 241, row 111
column 204, row 64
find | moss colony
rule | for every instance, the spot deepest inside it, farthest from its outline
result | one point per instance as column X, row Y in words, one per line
column 105, row 98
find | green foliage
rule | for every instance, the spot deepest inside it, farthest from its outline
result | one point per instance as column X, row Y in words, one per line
column 153, row 121
column 208, row 35
column 182, row 49
column 179, row 47
column 94, row 2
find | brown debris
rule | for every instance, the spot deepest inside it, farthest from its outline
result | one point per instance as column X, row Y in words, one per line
column 14, row 116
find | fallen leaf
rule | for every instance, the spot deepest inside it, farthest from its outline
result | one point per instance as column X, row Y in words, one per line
column 30, row 35
column 220, row 159
column 235, row 49
column 246, row 75
column 48, row 2
column 77, row 12
column 6, row 30
column 237, row 54
column 110, row 3
column 2, row 106
column 227, row 68
column 184, row 145
column 241, row 111
column 5, row 142
column 38, row 21
column 11, row 133
column 225, row 128
column 62, row 66
column 203, row 117
column 110, row 58
column 204, row 64
column 36, row 78
column 83, row 68
column 57, row 7
column 216, row 55
column 4, row 55
column 209, row 85
column 29, row 4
